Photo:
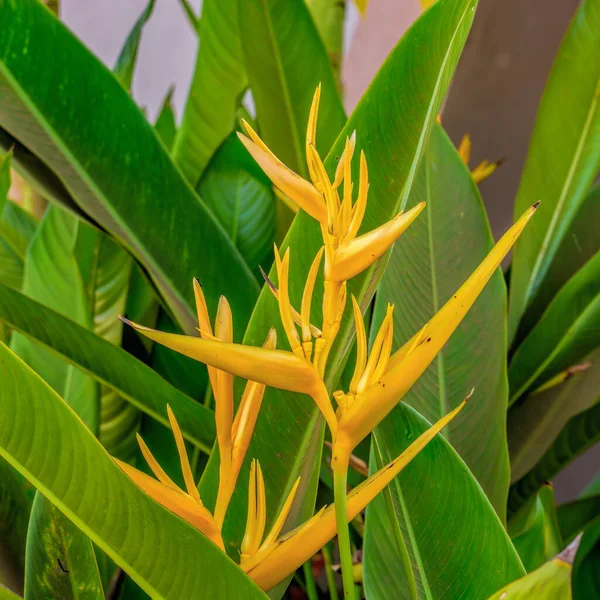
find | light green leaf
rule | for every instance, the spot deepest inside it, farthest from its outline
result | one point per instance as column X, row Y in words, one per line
column 108, row 364
column 115, row 166
column 218, row 82
column 563, row 159
column 566, row 333
column 428, row 264
column 534, row 423
column 421, row 545
column 5, row 165
column 6, row 594
column 127, row 59
column 60, row 558
column 163, row 554
column 165, row 125
column 393, row 147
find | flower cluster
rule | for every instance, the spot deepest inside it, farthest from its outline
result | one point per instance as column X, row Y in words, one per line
column 380, row 380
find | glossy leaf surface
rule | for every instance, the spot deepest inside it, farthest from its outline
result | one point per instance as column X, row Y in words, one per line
column 114, row 165
column 428, row 264
column 564, row 156
column 81, row 472
column 420, row 546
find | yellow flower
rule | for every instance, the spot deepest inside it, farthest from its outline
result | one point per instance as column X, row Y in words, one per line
column 484, row 169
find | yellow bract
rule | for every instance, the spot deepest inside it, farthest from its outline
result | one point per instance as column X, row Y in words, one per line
column 484, row 169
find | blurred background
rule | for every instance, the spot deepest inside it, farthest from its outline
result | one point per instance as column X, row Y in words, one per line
column 494, row 96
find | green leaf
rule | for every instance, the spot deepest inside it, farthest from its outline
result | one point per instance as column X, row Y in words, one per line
column 163, row 554
column 551, row 581
column 393, row 147
column 165, row 125
column 575, row 516
column 567, row 332
column 17, row 228
column 421, row 545
column 218, row 82
column 580, row 433
column 119, row 172
column 240, row 196
column 428, row 264
column 5, row 164
column 536, row 422
column 127, row 59
column 284, row 71
column 578, row 246
column 563, row 159
column 586, row 576
column 539, row 538
column 60, row 558
column 109, row 365
column 6, row 594
column 52, row 277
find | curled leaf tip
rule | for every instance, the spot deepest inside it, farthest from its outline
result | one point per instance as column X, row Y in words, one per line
column 535, row 205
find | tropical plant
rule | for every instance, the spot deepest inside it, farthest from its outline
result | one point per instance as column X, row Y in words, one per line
column 367, row 408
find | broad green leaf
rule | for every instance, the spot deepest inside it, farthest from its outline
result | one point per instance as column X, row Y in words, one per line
column 109, row 365
column 579, row 245
column 105, row 268
column 114, row 165
column 534, row 423
column 563, row 159
column 60, row 558
column 592, row 488
column 551, row 581
column 329, row 17
column 284, row 71
column 567, row 332
column 163, row 554
column 218, row 82
column 165, row 125
column 580, row 433
column 289, row 431
column 11, row 265
column 17, row 228
column 421, row 545
column 539, row 539
column 575, row 516
column 15, row 506
column 586, row 575
column 52, row 277
column 240, row 196
column 428, row 264
column 6, row 594
column 127, row 59
column 5, row 165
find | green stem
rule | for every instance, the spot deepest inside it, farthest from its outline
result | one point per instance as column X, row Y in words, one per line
column 331, row 582
column 309, row 579
column 340, row 476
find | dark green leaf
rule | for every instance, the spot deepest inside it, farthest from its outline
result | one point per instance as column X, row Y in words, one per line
column 288, row 435
column 428, row 264
column 536, row 422
column 109, row 365
column 77, row 475
column 118, row 171
column 60, row 558
column 218, row 82
column 568, row 331
column 586, row 574
column 421, row 545
column 240, row 196
column 165, row 125
column 575, row 516
column 5, row 165
column 579, row 434
column 563, row 159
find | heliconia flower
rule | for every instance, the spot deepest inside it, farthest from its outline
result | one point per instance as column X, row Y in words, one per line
column 484, row 169
column 185, row 504
column 562, row 377
column 274, row 562
column 369, row 406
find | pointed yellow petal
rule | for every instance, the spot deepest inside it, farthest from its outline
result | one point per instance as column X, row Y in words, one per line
column 562, row 377
column 283, row 514
column 205, row 327
column 353, row 257
column 307, row 295
column 277, row 368
column 154, row 466
column 483, row 170
column 285, row 309
column 302, row 192
column 324, row 184
column 404, row 368
column 386, row 348
column 362, row 6
column 177, row 502
column 261, row 508
column 361, row 201
column 302, row 543
column 345, row 160
column 250, row 532
column 361, row 346
column 311, row 129
column 464, row 149
column 186, row 469
column 381, row 344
